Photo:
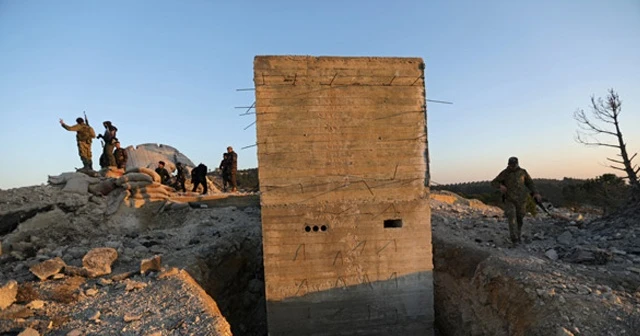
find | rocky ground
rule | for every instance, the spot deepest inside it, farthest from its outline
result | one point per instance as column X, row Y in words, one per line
column 574, row 275
column 220, row 247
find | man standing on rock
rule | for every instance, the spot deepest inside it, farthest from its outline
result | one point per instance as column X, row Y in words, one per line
column 232, row 166
column 513, row 182
column 121, row 156
column 84, row 137
column 109, row 137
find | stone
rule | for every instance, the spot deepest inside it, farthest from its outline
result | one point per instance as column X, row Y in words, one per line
column 47, row 268
column 95, row 316
column 584, row 290
column 122, row 276
column 29, row 332
column 98, row 261
column 131, row 285
column 8, row 294
column 35, row 304
column 76, row 271
column 18, row 255
column 91, row 292
column 563, row 332
column 75, row 332
column 561, row 299
column 130, row 317
column 151, row 264
column 551, row 254
column 565, row 238
column 634, row 269
column 58, row 276
column 170, row 272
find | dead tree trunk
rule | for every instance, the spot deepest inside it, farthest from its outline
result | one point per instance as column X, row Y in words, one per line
column 608, row 112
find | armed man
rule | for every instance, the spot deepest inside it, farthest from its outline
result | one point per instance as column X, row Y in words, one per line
column 513, row 182
column 84, row 138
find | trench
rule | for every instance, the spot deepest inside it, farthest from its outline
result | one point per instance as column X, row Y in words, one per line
column 470, row 298
column 474, row 291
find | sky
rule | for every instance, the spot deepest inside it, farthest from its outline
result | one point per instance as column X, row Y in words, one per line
column 167, row 72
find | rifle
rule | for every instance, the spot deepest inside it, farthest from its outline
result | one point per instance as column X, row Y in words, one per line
column 539, row 203
column 86, row 121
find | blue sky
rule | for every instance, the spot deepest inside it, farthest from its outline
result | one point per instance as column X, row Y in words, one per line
column 167, row 72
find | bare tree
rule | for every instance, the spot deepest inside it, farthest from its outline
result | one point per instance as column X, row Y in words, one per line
column 607, row 113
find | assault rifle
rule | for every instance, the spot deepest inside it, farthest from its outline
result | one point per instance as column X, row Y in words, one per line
column 86, row 120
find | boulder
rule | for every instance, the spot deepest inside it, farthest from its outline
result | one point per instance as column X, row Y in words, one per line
column 151, row 264
column 47, row 268
column 98, row 261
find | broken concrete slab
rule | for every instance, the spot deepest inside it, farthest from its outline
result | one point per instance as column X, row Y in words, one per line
column 98, row 261
column 8, row 294
column 48, row 268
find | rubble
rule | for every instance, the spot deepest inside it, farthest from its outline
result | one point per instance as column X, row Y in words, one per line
column 8, row 294
column 218, row 250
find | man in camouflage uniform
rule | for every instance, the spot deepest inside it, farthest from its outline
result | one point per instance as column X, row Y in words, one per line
column 120, row 154
column 232, row 166
column 84, row 137
column 513, row 182
column 181, row 176
column 164, row 174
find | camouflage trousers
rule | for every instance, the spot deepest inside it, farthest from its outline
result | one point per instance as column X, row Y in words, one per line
column 515, row 211
column 107, row 151
column 84, row 150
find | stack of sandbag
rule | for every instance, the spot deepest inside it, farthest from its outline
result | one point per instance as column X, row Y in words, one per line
column 104, row 187
column 143, row 186
column 73, row 182
column 112, row 172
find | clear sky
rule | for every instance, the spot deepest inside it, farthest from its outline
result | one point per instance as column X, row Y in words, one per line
column 167, row 72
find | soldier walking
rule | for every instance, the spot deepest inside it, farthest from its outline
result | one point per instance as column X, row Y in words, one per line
column 513, row 183
column 233, row 168
column 84, row 138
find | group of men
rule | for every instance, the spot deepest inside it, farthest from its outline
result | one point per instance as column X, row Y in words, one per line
column 112, row 154
column 198, row 177
column 512, row 182
column 115, row 156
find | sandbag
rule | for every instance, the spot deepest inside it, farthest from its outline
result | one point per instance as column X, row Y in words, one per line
column 133, row 177
column 148, row 193
column 77, row 185
column 135, row 185
column 114, row 174
column 148, row 171
column 63, row 178
column 102, row 188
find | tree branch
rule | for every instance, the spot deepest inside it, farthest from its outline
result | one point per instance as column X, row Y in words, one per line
column 614, row 167
column 579, row 139
column 616, row 161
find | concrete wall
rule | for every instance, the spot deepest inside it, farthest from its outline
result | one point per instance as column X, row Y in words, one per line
column 343, row 161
